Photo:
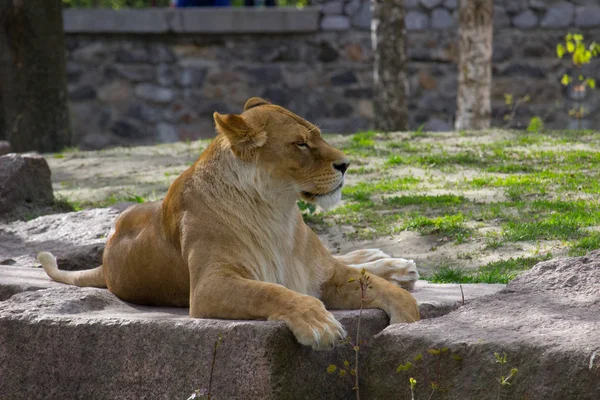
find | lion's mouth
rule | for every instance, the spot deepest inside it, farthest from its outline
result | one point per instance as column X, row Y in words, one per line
column 317, row 195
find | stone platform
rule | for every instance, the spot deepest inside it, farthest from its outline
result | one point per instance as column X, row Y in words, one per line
column 62, row 342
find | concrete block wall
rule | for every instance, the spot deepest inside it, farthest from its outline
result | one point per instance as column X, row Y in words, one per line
column 157, row 75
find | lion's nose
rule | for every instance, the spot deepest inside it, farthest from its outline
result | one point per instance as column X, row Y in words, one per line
column 342, row 166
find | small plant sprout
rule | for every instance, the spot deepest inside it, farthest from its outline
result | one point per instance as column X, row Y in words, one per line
column 207, row 393
column 433, row 379
column 581, row 54
column 504, row 380
column 413, row 384
column 536, row 124
column 364, row 284
column 512, row 106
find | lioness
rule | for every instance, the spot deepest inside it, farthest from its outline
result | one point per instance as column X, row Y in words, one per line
column 228, row 240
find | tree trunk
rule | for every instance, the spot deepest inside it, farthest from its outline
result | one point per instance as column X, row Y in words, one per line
column 390, row 92
column 475, row 28
column 33, row 91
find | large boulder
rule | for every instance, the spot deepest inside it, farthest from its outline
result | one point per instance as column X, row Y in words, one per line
column 5, row 147
column 24, row 182
column 547, row 322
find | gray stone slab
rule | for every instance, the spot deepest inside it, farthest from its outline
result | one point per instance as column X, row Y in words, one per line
column 250, row 20
column 546, row 321
column 88, row 344
column 15, row 280
column 451, row 4
column 559, row 15
column 431, row 4
column 525, row 20
column 442, row 19
column 335, row 23
column 77, row 239
column 333, row 7
column 416, row 21
column 81, row 20
column 587, row 16
column 362, row 18
column 194, row 20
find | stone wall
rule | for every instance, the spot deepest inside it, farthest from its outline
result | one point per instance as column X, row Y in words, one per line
column 158, row 75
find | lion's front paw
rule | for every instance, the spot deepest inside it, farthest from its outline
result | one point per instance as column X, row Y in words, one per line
column 312, row 324
column 399, row 271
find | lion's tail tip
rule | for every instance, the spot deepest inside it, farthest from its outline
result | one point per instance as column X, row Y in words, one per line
column 48, row 261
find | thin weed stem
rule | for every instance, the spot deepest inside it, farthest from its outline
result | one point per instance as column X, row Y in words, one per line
column 212, row 365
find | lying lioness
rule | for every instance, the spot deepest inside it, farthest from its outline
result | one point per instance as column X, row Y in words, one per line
column 229, row 241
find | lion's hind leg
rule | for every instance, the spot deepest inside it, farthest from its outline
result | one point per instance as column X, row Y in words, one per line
column 399, row 271
column 340, row 293
column 362, row 256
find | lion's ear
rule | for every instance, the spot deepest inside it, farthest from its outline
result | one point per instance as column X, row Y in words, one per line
column 254, row 102
column 242, row 137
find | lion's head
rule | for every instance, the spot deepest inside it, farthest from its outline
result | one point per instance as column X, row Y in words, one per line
column 290, row 148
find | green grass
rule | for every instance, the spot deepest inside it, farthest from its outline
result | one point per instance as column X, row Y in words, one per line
column 111, row 200
column 450, row 226
column 586, row 244
column 541, row 181
column 502, row 191
column 363, row 190
column 495, row 272
column 425, row 200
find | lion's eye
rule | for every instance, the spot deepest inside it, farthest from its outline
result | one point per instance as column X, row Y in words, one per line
column 303, row 145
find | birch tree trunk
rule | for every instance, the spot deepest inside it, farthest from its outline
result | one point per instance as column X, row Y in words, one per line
column 390, row 92
column 475, row 28
column 33, row 88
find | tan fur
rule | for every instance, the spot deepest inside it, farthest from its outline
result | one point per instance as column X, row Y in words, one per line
column 229, row 241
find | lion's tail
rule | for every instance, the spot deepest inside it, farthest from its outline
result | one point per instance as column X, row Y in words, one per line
column 91, row 277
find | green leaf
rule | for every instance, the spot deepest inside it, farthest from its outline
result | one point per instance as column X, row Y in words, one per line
column 578, row 37
column 418, row 357
column 331, row 369
column 560, row 50
column 570, row 46
column 535, row 125
column 591, row 83
column 404, row 367
column 565, row 80
column 413, row 382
